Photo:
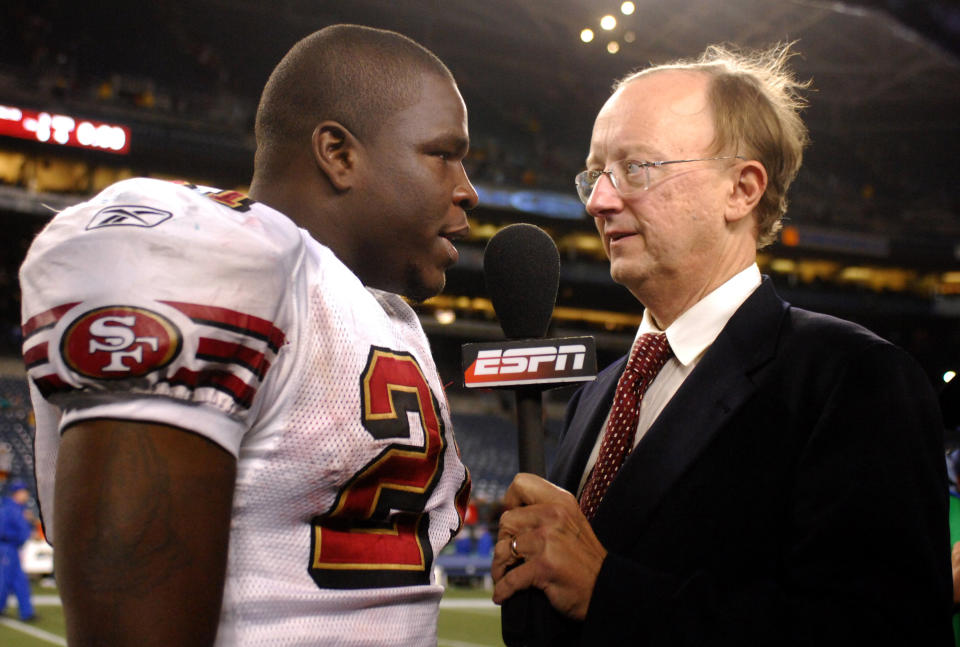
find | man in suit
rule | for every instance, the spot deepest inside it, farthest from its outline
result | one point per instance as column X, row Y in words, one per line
column 781, row 481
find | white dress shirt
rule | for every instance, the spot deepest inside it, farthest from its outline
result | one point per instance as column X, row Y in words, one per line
column 689, row 336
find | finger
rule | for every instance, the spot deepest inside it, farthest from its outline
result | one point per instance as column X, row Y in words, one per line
column 529, row 489
column 503, row 558
column 507, row 528
column 520, row 520
column 524, row 490
column 547, row 519
column 516, row 579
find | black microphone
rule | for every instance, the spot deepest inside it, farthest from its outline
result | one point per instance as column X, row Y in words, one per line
column 521, row 267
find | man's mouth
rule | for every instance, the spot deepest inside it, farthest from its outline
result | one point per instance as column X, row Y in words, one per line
column 450, row 237
column 451, row 249
column 615, row 236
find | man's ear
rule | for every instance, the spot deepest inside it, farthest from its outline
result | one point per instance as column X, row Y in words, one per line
column 336, row 153
column 750, row 183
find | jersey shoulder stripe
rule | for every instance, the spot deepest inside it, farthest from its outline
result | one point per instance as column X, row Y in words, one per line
column 219, row 351
column 45, row 320
column 120, row 348
column 232, row 320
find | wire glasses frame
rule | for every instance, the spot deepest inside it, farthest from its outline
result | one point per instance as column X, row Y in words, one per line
column 629, row 176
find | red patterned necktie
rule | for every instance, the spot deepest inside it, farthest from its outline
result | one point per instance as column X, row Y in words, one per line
column 649, row 355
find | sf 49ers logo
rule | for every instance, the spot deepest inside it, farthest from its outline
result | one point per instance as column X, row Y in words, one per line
column 119, row 342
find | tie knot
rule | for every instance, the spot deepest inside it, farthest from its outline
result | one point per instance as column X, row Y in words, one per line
column 649, row 354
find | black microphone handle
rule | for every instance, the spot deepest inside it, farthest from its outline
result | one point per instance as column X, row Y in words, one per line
column 530, row 430
column 525, row 618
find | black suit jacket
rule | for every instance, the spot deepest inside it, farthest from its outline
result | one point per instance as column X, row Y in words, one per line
column 792, row 492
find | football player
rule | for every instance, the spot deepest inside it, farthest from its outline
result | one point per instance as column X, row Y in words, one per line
column 241, row 434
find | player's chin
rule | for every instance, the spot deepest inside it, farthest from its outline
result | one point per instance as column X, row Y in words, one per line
column 423, row 284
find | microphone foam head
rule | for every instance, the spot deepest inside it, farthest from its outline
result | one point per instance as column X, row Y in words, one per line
column 521, row 266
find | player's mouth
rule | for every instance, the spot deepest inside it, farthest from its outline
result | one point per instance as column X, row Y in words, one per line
column 451, row 249
column 448, row 241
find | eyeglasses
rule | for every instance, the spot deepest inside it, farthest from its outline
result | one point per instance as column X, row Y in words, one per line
column 629, row 176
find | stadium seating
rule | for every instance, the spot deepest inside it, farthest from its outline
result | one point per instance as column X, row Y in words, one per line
column 16, row 430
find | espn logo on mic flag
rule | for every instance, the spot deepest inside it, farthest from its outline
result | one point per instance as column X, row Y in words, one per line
column 529, row 362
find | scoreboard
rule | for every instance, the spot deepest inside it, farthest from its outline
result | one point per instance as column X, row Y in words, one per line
column 63, row 130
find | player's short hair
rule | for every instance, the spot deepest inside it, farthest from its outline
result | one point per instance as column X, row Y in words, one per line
column 756, row 105
column 351, row 74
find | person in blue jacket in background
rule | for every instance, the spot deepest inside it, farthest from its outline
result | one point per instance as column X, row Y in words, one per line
column 15, row 529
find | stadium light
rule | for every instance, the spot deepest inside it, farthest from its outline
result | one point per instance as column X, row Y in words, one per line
column 445, row 316
column 608, row 22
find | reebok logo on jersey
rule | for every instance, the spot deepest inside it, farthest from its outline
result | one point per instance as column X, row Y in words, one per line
column 119, row 342
column 128, row 215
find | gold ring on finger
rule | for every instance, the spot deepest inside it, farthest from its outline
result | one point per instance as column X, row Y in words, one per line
column 513, row 548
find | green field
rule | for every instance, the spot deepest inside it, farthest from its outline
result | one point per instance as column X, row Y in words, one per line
column 467, row 627
column 466, row 620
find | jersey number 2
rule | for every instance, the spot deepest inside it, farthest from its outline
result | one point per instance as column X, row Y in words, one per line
column 359, row 543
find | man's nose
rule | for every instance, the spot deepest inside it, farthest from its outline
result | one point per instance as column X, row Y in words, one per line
column 604, row 198
column 464, row 194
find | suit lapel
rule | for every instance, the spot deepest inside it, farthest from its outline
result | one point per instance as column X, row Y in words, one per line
column 591, row 408
column 712, row 393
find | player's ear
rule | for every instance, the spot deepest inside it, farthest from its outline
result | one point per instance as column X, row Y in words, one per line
column 335, row 151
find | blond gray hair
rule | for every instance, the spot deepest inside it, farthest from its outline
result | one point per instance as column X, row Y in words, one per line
column 756, row 104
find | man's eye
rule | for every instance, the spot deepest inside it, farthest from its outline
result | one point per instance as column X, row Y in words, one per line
column 632, row 167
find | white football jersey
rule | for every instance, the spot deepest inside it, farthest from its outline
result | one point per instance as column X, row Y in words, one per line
column 202, row 309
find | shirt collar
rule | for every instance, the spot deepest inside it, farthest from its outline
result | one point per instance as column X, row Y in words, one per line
column 695, row 329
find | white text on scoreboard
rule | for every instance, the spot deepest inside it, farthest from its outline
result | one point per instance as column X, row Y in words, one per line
column 63, row 130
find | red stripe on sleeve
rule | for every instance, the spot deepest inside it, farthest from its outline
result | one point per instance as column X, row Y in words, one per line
column 223, row 351
column 44, row 319
column 222, row 316
column 36, row 355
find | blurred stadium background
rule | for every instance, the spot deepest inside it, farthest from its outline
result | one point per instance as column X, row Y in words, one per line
column 93, row 92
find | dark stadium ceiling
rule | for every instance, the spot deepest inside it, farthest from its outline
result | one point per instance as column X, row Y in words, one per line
column 884, row 91
column 886, row 73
